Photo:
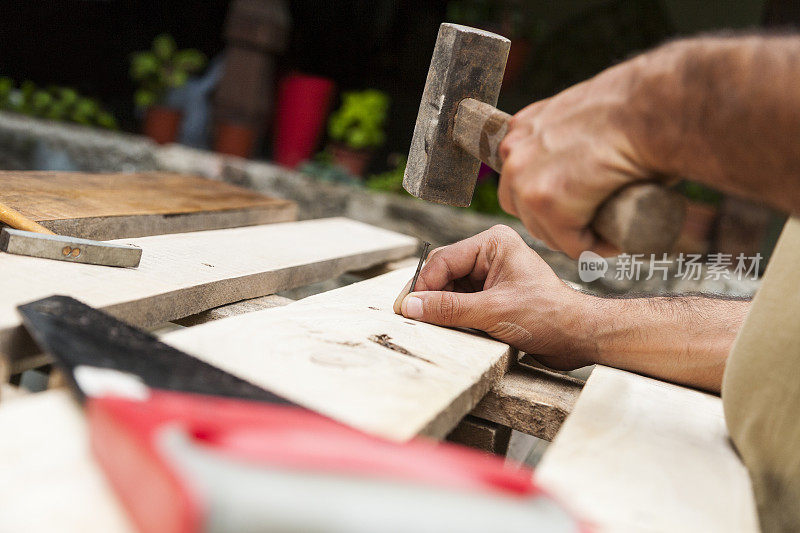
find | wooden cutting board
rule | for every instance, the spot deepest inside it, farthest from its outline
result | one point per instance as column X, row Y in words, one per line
column 114, row 206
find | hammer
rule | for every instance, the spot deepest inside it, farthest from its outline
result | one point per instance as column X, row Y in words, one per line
column 32, row 239
column 458, row 127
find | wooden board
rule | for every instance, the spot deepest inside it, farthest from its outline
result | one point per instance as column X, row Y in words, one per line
column 638, row 454
column 112, row 206
column 50, row 482
column 346, row 354
column 187, row 273
column 530, row 400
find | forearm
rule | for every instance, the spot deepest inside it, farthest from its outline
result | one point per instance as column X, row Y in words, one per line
column 683, row 339
column 723, row 111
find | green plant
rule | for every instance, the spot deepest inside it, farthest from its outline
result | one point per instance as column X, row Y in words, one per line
column 161, row 68
column 484, row 199
column 698, row 192
column 358, row 123
column 389, row 181
column 54, row 103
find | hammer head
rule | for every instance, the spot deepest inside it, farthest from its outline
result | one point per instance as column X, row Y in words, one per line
column 467, row 63
column 70, row 249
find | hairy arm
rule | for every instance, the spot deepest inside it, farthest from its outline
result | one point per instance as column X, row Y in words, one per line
column 495, row 283
column 682, row 339
column 723, row 111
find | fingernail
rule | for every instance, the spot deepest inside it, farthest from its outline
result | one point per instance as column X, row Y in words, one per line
column 412, row 307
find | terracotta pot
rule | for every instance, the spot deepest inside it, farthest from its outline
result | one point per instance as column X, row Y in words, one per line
column 697, row 228
column 234, row 139
column 300, row 112
column 353, row 161
column 162, row 124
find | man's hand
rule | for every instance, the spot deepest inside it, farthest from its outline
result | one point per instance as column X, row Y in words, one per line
column 495, row 283
column 566, row 155
column 719, row 110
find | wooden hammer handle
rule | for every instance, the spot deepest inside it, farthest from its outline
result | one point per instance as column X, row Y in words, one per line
column 639, row 218
column 17, row 220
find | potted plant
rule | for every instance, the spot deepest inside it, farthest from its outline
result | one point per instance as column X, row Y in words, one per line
column 356, row 129
column 158, row 70
column 702, row 209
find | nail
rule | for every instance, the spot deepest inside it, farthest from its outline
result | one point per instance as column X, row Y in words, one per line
column 412, row 307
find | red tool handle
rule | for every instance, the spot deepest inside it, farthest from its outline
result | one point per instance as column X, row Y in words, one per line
column 131, row 439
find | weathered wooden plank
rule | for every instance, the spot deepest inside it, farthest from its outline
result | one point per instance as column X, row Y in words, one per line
column 234, row 309
column 346, row 354
column 187, row 273
column 481, row 435
column 50, row 482
column 530, row 400
column 638, row 454
column 112, row 206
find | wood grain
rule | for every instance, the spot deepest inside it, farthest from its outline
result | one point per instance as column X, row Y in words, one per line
column 50, row 480
column 184, row 274
column 530, row 400
column 346, row 354
column 638, row 454
column 111, row 206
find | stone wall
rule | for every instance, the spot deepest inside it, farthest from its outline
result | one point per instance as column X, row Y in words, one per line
column 32, row 144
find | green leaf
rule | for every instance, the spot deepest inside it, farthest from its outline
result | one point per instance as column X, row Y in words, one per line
column 164, row 46
column 189, row 60
column 39, row 102
column 107, row 120
column 144, row 98
column 177, row 78
column 143, row 65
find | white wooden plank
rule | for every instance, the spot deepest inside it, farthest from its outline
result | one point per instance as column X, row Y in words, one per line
column 187, row 273
column 328, row 352
column 637, row 454
column 50, row 482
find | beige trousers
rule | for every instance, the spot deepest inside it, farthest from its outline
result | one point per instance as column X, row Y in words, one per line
column 761, row 388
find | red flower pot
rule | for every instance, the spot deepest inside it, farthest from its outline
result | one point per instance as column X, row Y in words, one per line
column 234, row 139
column 162, row 124
column 301, row 110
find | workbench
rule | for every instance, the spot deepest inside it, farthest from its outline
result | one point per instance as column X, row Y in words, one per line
column 629, row 453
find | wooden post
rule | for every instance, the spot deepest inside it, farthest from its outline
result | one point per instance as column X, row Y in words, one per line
column 256, row 31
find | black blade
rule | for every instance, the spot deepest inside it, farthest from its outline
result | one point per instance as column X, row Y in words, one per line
column 78, row 335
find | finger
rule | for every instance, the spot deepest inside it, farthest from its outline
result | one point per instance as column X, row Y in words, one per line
column 452, row 309
column 452, row 262
column 401, row 296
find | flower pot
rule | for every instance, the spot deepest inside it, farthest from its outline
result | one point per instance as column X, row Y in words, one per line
column 351, row 160
column 162, row 124
column 698, row 225
column 301, row 109
column 234, row 139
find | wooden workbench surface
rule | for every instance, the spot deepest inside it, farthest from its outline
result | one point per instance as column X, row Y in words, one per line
column 110, row 206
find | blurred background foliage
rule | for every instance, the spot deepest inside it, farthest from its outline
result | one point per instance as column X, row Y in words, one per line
column 386, row 45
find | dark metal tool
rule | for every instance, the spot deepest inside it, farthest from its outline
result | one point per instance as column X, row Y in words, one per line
column 458, row 127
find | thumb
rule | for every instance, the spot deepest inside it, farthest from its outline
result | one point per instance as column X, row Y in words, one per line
column 444, row 308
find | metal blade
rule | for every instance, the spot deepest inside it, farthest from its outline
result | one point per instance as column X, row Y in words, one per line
column 78, row 335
